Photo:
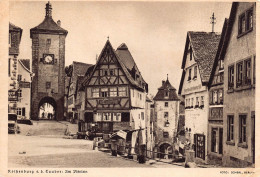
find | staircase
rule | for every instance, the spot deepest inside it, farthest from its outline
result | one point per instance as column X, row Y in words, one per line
column 48, row 128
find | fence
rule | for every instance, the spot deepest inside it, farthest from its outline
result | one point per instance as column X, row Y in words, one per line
column 154, row 155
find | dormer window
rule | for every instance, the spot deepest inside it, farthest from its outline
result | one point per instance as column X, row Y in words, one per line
column 189, row 78
column 221, row 64
column 190, row 54
column 166, row 93
column 195, row 72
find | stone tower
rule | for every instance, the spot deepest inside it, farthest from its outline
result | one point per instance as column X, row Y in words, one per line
column 48, row 62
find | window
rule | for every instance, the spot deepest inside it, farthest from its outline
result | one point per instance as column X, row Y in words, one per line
column 48, row 85
column 214, row 140
column 230, row 135
column 106, row 117
column 104, row 92
column 242, row 128
column 221, row 64
column 242, row 24
column 202, row 100
column 195, row 72
column 254, row 71
column 191, row 102
column 105, row 72
column 125, row 116
column 245, row 23
column 190, row 54
column 121, row 91
column 111, row 72
column 48, row 41
column 113, row 91
column 165, row 134
column 142, row 115
column 118, row 117
column 20, row 111
column 166, row 93
column 9, row 65
column 19, row 78
column 221, row 77
column 166, row 104
column 220, row 94
column 166, row 114
column 239, row 74
column 231, row 77
column 250, row 19
column 19, row 93
column 95, row 92
column 215, row 97
column 197, row 102
column 189, row 78
column 248, row 72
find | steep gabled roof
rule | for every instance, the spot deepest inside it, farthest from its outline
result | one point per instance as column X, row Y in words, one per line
column 220, row 49
column 127, row 59
column 166, row 86
column 80, row 68
column 25, row 64
column 121, row 60
column 204, row 47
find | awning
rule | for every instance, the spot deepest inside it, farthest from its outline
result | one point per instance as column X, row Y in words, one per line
column 119, row 135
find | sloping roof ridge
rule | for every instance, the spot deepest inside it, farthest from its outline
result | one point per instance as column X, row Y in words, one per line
column 14, row 26
column 79, row 62
column 133, row 61
column 23, row 65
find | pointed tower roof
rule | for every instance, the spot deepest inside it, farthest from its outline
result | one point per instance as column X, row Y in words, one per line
column 48, row 25
column 166, row 92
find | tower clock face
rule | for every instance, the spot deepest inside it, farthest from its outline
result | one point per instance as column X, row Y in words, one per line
column 48, row 58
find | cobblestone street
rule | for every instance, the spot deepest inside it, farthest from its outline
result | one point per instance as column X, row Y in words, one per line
column 35, row 151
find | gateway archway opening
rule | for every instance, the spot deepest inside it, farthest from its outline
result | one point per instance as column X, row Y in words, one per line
column 166, row 151
column 47, row 109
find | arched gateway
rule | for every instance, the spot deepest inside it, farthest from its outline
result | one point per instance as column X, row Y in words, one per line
column 47, row 109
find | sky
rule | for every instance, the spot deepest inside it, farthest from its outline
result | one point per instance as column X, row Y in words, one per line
column 155, row 32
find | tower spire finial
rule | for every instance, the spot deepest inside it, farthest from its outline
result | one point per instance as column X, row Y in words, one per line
column 213, row 22
column 167, row 76
column 48, row 10
column 108, row 38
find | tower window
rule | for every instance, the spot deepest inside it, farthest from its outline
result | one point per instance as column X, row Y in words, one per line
column 48, row 85
column 48, row 41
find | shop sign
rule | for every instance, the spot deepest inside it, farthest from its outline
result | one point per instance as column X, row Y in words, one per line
column 109, row 101
column 12, row 95
column 24, row 84
column 216, row 114
column 192, row 89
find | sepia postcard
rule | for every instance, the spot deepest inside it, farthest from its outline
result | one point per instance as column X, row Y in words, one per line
column 129, row 88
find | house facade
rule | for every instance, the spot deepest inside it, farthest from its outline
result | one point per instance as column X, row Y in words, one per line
column 239, row 86
column 216, row 106
column 75, row 72
column 115, row 92
column 15, row 34
column 198, row 58
column 24, row 91
column 166, row 107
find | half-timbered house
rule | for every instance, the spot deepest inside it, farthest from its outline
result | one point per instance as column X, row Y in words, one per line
column 115, row 92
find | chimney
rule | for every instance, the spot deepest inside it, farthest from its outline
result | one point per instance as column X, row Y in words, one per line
column 163, row 82
column 58, row 22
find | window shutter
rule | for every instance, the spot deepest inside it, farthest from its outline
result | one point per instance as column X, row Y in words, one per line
column 23, row 111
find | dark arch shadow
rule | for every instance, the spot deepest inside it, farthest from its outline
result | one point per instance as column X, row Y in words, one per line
column 52, row 102
column 166, row 148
